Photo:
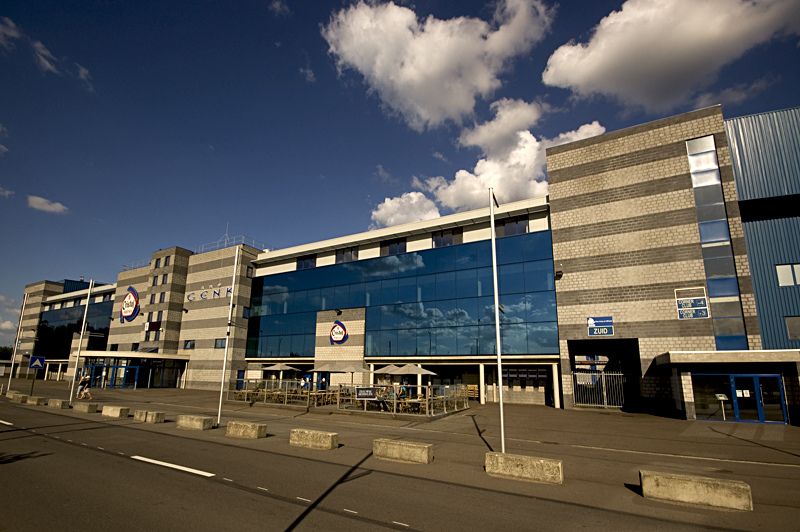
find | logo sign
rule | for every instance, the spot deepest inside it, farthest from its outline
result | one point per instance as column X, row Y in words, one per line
column 600, row 325
column 130, row 306
column 338, row 333
column 366, row 393
column 36, row 363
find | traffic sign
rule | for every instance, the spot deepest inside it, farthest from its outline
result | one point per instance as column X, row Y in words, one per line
column 36, row 363
column 600, row 326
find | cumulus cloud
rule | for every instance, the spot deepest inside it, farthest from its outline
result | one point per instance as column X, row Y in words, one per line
column 410, row 207
column 6, row 325
column 432, row 71
column 440, row 156
column 498, row 137
column 279, row 8
column 5, row 193
column 45, row 205
column 44, row 58
column 658, row 54
column 9, row 32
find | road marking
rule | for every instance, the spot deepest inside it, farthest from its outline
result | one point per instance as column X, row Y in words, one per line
column 101, row 448
column 70, row 441
column 671, row 455
column 262, row 489
column 173, row 466
column 7, row 423
column 228, row 479
column 350, row 511
column 401, row 524
column 302, row 499
column 120, row 453
column 85, row 444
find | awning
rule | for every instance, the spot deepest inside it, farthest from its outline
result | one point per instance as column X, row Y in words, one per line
column 729, row 357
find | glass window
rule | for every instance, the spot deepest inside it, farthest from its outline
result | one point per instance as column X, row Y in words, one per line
column 162, row 297
column 166, row 260
column 157, row 335
column 135, row 346
column 517, row 225
column 541, row 306
column 306, row 262
column 705, row 178
column 219, row 343
column 393, row 247
column 723, row 287
column 714, row 231
column 722, row 267
column 155, row 280
column 785, row 277
column 728, row 326
column 114, row 347
column 347, row 255
column 448, row 237
column 715, row 211
column 407, row 342
column 160, row 316
column 539, row 275
column 731, row 343
column 250, row 272
column 446, row 285
column 157, row 264
column 153, row 298
column 510, row 250
column 717, row 251
column 515, row 338
column 188, row 344
column 793, row 327
column 147, row 336
column 511, row 279
column 708, row 195
column 246, row 312
column 106, row 297
column 164, row 278
column 543, row 337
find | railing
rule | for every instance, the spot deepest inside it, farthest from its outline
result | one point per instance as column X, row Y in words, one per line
column 599, row 388
column 426, row 401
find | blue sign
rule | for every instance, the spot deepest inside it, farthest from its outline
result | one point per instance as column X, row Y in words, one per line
column 600, row 325
column 692, row 313
column 693, row 302
column 36, row 363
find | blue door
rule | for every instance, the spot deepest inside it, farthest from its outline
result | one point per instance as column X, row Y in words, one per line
column 758, row 398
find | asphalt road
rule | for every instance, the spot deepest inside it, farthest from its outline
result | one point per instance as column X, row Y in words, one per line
column 90, row 473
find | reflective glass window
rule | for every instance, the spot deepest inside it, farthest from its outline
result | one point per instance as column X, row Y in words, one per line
column 723, row 287
column 543, row 337
column 541, row 306
column 731, row 343
column 426, row 285
column 446, row 341
column 448, row 237
column 166, row 260
column 346, row 255
column 714, row 211
column 708, row 195
column 514, row 337
column 511, row 278
column 372, row 293
column 445, row 285
column 539, row 276
column 407, row 289
column 467, row 283
column 389, row 291
column 468, row 339
column 306, row 262
column 407, row 342
column 513, row 308
column 537, row 246
column 722, row 267
column 510, row 250
column 485, row 282
column 157, row 264
column 393, row 247
column 716, row 231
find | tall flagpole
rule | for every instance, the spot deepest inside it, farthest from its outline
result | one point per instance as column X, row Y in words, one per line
column 228, row 335
column 492, row 203
column 80, row 341
column 17, row 338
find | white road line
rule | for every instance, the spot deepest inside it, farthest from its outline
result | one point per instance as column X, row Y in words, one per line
column 302, row 499
column 101, row 448
column 262, row 489
column 401, row 524
column 120, row 453
column 173, row 466
column 228, row 479
column 350, row 511
column 70, row 441
column 7, row 423
column 685, row 456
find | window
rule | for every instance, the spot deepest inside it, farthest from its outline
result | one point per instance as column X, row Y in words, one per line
column 162, row 297
column 157, row 336
column 219, row 343
column 160, row 316
column 306, row 262
column 188, row 344
column 147, row 336
column 153, row 298
column 512, row 226
column 155, row 280
column 245, row 312
column 788, row 274
column 450, row 237
column 157, row 264
column 166, row 261
column 793, row 327
column 393, row 247
column 346, row 255
column 149, row 317
column 250, row 272
column 164, row 279
column 106, row 297
column 48, row 307
column 135, row 346
column 114, row 347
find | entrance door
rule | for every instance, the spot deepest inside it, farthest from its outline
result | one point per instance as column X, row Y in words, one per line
column 746, row 399
column 759, row 398
column 771, row 395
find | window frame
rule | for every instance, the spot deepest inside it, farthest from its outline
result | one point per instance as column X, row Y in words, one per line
column 219, row 343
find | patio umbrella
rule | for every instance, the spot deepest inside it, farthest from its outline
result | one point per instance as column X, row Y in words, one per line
column 351, row 367
column 386, row 370
column 411, row 369
column 280, row 367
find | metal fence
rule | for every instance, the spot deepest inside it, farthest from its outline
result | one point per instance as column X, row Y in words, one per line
column 426, row 401
column 599, row 388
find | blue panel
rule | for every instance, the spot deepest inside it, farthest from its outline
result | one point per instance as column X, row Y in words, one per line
column 723, row 287
column 716, row 231
column 731, row 343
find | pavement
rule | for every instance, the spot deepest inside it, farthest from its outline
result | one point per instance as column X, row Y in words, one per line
column 602, row 452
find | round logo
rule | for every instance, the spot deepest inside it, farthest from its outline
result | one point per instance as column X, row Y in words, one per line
column 130, row 306
column 338, row 333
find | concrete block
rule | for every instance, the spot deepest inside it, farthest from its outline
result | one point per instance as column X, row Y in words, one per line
column 313, row 439
column 86, row 408
column 119, row 412
column 195, row 422
column 520, row 467
column 693, row 489
column 19, row 398
column 155, row 417
column 403, row 451
column 246, row 429
column 12, row 393
column 58, row 403
column 36, row 400
column 140, row 415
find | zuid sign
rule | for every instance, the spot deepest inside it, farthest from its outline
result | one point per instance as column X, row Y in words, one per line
column 600, row 326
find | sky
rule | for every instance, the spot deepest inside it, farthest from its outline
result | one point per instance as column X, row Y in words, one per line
column 126, row 127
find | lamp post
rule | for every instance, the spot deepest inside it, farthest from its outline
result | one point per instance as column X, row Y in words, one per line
column 17, row 339
column 492, row 204
column 228, row 334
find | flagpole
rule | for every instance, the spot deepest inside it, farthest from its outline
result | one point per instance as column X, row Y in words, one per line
column 17, row 339
column 492, row 203
column 80, row 341
column 228, row 335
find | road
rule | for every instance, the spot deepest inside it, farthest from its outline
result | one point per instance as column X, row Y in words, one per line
column 91, row 473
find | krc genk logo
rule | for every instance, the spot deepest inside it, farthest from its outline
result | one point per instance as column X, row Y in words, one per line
column 130, row 306
column 338, row 333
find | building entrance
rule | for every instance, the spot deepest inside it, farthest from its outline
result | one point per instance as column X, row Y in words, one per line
column 754, row 398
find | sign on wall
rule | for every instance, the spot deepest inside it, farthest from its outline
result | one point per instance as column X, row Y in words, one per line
column 130, row 306
column 600, row 325
column 692, row 303
column 338, row 333
column 211, row 293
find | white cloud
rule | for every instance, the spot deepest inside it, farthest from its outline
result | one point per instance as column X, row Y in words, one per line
column 44, row 58
column 3, row 149
column 9, row 32
column 410, row 207
column 733, row 95
column 498, row 137
column 308, row 74
column 85, row 76
column 6, row 325
column 45, row 205
column 5, row 193
column 440, row 156
column 279, row 8
column 383, row 175
column 658, row 54
column 432, row 71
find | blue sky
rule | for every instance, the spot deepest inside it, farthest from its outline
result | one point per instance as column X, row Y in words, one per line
column 126, row 127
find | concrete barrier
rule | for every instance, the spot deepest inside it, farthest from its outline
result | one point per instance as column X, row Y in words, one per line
column 12, row 393
column 62, row 404
column 520, row 467
column 195, row 422
column 403, row 451
column 140, row 415
column 155, row 417
column 19, row 398
column 246, row 429
column 693, row 489
column 36, row 400
column 86, row 408
column 313, row 439
column 118, row 412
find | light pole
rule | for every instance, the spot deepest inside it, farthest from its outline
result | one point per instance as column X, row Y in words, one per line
column 492, row 204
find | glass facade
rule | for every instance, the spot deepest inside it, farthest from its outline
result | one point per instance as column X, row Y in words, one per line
column 437, row 302
column 56, row 327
